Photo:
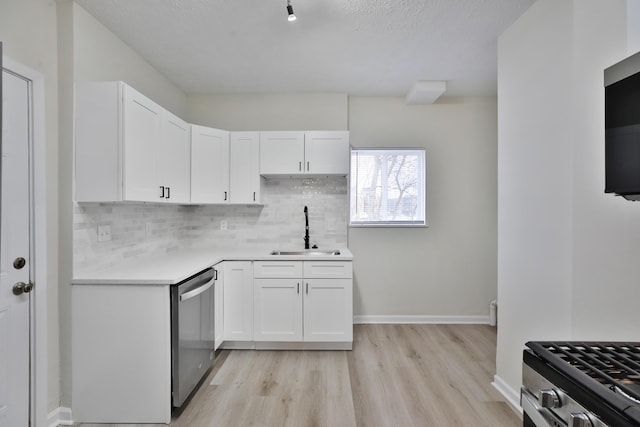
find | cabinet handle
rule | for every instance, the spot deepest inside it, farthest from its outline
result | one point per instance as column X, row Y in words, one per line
column 298, row 287
column 168, row 192
column 254, row 196
column 215, row 274
column 307, row 166
column 162, row 189
column 225, row 196
column 307, row 288
column 300, row 166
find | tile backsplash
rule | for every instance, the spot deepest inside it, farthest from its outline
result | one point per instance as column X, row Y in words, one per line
column 150, row 229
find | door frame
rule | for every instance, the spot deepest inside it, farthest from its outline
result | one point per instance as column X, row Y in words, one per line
column 38, row 387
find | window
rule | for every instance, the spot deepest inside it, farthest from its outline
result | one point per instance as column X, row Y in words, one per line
column 388, row 187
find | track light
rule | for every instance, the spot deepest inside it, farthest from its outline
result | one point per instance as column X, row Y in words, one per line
column 292, row 16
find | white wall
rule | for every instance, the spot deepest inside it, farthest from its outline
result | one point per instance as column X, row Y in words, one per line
column 566, row 251
column 100, row 55
column 299, row 111
column 28, row 33
column 449, row 268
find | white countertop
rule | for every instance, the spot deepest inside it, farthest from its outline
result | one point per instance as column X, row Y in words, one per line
column 177, row 266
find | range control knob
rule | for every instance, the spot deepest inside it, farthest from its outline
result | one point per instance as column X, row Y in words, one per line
column 580, row 419
column 549, row 398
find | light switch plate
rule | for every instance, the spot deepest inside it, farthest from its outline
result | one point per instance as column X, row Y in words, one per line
column 223, row 225
column 104, row 233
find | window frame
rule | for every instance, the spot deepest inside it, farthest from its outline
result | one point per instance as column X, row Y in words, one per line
column 388, row 223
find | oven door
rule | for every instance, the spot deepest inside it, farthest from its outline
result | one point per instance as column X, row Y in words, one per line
column 192, row 333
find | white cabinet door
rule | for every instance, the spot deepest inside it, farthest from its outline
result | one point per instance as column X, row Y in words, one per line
column 219, row 306
column 238, row 301
column 142, row 126
column 277, row 310
column 281, row 153
column 174, row 159
column 328, row 310
column 327, row 152
column 209, row 165
column 244, row 176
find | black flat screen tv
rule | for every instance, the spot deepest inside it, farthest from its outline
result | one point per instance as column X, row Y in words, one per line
column 622, row 128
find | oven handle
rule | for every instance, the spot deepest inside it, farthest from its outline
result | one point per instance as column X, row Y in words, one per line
column 197, row 291
column 540, row 416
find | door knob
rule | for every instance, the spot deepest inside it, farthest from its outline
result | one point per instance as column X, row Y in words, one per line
column 21, row 287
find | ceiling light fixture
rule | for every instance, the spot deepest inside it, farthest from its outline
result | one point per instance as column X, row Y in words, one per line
column 292, row 16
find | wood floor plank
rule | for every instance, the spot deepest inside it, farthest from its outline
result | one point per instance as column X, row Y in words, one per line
column 396, row 375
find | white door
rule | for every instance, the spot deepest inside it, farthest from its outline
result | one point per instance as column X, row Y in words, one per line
column 209, row 165
column 244, row 174
column 142, row 133
column 14, row 236
column 328, row 310
column 238, row 301
column 277, row 305
column 281, row 153
column 327, row 152
column 174, row 159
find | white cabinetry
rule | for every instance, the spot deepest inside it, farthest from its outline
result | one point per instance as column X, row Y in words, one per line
column 277, row 301
column 174, row 159
column 128, row 148
column 310, row 301
column 225, row 166
column 121, row 350
column 209, row 165
column 245, row 180
column 219, row 306
column 304, row 153
column 238, row 301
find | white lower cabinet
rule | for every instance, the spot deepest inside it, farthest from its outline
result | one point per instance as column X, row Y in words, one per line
column 218, row 325
column 238, row 300
column 304, row 301
column 121, row 350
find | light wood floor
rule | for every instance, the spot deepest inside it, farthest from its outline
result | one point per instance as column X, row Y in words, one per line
column 396, row 375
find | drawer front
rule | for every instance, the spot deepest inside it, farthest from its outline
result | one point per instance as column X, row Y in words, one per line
column 328, row 269
column 277, row 269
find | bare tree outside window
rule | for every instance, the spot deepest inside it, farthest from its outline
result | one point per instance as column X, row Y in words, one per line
column 387, row 187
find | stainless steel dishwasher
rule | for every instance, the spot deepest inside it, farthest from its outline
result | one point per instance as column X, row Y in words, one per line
column 192, row 333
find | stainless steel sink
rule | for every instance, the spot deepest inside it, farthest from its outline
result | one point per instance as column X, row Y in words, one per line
column 309, row 252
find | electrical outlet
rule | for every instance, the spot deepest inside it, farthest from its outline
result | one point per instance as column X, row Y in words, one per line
column 104, row 233
column 148, row 229
column 223, row 224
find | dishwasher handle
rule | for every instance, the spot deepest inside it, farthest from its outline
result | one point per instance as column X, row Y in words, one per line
column 197, row 291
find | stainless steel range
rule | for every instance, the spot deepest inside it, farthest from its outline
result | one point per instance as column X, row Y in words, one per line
column 581, row 384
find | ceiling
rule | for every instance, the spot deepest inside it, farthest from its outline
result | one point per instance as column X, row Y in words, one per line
column 358, row 47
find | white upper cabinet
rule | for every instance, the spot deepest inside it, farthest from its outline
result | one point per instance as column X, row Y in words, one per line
column 281, row 153
column 327, row 152
column 245, row 180
column 174, row 159
column 142, row 130
column 209, row 165
column 304, row 153
column 128, row 148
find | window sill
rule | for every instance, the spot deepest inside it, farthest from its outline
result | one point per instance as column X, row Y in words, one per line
column 387, row 225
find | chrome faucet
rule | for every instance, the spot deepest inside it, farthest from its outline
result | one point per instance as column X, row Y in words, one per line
column 306, row 228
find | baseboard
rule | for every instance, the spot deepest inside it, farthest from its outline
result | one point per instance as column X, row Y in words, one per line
column 511, row 396
column 483, row 320
column 59, row 417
